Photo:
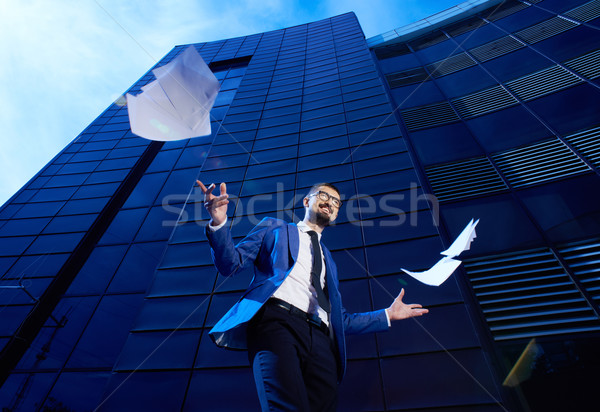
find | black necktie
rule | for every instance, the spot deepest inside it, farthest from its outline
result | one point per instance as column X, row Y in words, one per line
column 315, row 273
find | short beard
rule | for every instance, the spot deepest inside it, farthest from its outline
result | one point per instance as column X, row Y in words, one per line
column 322, row 219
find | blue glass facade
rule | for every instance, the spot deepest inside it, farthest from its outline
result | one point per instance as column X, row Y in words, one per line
column 108, row 288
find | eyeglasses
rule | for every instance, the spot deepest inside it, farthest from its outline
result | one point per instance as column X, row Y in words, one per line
column 324, row 196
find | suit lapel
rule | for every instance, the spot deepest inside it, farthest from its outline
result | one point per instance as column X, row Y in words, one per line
column 293, row 242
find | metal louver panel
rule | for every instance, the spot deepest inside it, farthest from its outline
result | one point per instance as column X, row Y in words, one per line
column 393, row 50
column 464, row 179
column 584, row 261
column 485, row 101
column 496, row 48
column 405, row 77
column 506, row 8
column 544, row 82
column 429, row 116
column 587, row 143
column 450, row 65
column 538, row 163
column 529, row 294
column 585, row 12
column 428, row 40
column 545, row 29
column 464, row 26
column 587, row 65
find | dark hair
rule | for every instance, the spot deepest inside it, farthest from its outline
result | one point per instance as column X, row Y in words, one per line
column 316, row 187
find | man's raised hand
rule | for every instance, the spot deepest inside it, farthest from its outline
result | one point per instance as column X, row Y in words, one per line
column 215, row 205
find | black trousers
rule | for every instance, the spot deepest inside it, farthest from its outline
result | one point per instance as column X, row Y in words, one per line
column 293, row 362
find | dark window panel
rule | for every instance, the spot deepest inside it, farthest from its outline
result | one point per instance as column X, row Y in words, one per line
column 164, row 161
column 178, row 185
column 180, row 312
column 415, row 255
column 503, row 225
column 235, row 174
column 136, row 269
column 107, row 177
column 89, row 394
column 333, row 173
column 103, row 145
column 158, row 224
column 12, row 294
column 572, row 109
column 186, row 254
column 20, row 227
column 38, row 385
column 192, row 157
column 382, row 164
column 72, row 168
column 99, row 190
column 67, row 180
column 361, row 388
column 566, row 210
column 225, row 137
column 221, row 162
column 67, row 335
column 323, row 133
column 38, row 209
column 465, row 81
column 381, row 133
column 124, row 227
column 472, row 382
column 76, row 223
column 146, row 190
column 126, row 152
column 402, row 226
column 77, row 207
column 507, row 128
column 201, row 396
column 89, row 156
column 450, row 142
column 45, row 195
column 162, row 390
column 263, row 156
column 55, row 243
column 183, row 281
column 125, row 163
column 158, row 350
column 330, row 158
column 370, row 150
column 97, row 270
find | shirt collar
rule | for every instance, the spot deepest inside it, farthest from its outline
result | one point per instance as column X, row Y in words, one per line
column 305, row 228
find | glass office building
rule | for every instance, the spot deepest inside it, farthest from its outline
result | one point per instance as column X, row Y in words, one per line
column 490, row 110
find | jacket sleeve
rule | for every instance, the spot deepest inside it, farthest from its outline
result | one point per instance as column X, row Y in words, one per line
column 365, row 322
column 231, row 259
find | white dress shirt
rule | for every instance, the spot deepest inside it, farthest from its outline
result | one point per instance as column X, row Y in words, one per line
column 297, row 288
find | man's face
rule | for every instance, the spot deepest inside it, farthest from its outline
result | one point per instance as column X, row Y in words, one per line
column 321, row 212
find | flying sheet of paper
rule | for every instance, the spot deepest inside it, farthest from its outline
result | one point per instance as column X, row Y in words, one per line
column 463, row 241
column 442, row 270
column 438, row 272
column 177, row 104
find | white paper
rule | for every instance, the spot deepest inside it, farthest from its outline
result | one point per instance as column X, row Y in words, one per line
column 438, row 273
column 463, row 241
column 177, row 104
column 442, row 270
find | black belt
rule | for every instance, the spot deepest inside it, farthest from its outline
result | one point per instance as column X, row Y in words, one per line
column 299, row 313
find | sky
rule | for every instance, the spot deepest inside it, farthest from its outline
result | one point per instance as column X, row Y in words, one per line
column 63, row 62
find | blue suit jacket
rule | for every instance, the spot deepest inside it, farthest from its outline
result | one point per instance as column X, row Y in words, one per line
column 272, row 248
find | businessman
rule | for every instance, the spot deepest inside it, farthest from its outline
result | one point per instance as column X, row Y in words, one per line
column 291, row 319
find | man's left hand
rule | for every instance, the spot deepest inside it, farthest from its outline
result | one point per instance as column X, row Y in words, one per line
column 400, row 310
